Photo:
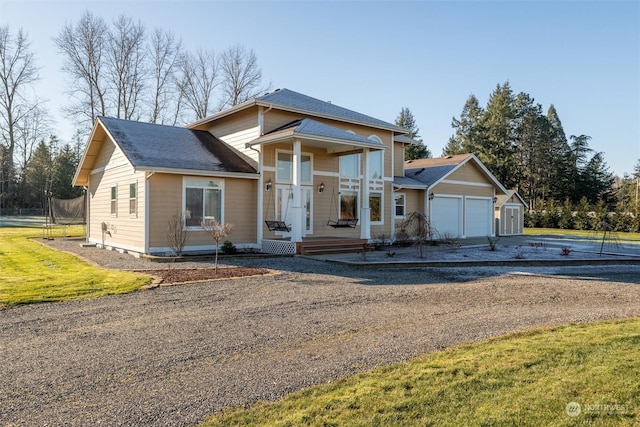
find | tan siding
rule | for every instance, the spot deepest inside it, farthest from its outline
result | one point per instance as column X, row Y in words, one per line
column 469, row 172
column 398, row 166
column 240, row 197
column 126, row 231
column 467, row 190
column 237, row 130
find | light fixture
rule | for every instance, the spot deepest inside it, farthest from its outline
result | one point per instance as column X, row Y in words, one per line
column 431, row 196
column 495, row 199
column 267, row 186
column 321, row 188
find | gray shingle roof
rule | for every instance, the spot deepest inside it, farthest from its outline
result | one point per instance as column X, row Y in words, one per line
column 403, row 181
column 429, row 175
column 312, row 128
column 291, row 99
column 148, row 145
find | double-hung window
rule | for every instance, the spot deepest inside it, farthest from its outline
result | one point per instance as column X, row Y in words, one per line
column 400, row 204
column 202, row 201
column 133, row 199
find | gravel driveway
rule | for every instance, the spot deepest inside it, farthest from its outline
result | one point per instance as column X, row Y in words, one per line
column 173, row 355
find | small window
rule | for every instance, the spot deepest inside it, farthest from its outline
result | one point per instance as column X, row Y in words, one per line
column 133, row 198
column 375, row 207
column 284, row 167
column 375, row 164
column 114, row 200
column 348, row 204
column 349, row 166
column 399, row 199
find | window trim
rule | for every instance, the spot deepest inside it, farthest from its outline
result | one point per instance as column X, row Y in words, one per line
column 370, row 178
column 113, row 207
column 187, row 182
column 357, row 202
column 357, row 164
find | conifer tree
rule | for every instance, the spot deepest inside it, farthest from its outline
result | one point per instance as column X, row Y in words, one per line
column 414, row 151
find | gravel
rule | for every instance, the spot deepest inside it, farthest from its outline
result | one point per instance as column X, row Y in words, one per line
column 173, row 355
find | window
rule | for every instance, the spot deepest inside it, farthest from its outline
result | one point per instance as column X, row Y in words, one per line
column 375, row 164
column 399, row 199
column 348, row 204
column 284, row 166
column 133, row 195
column 202, row 201
column 375, row 206
column 349, row 166
column 114, row 200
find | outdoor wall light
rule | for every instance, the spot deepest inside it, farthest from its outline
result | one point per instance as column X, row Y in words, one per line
column 321, row 188
column 495, row 199
column 431, row 196
column 268, row 185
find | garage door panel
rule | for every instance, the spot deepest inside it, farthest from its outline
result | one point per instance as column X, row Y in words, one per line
column 446, row 216
column 478, row 217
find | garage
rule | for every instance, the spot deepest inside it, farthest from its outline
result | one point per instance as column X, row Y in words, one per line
column 446, row 216
column 479, row 217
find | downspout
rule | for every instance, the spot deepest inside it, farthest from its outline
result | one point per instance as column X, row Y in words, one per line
column 146, row 210
column 87, row 213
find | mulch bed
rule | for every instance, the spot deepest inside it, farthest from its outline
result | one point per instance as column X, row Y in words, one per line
column 182, row 275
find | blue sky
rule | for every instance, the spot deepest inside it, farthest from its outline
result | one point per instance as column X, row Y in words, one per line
column 376, row 57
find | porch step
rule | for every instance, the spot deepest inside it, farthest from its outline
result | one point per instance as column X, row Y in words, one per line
column 330, row 246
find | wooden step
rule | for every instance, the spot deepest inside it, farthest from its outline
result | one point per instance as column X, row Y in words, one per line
column 330, row 246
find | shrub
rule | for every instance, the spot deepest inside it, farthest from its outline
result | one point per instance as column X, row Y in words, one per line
column 228, row 248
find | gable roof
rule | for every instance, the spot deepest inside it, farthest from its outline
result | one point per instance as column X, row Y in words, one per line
column 149, row 146
column 289, row 100
column 431, row 171
column 504, row 198
column 318, row 133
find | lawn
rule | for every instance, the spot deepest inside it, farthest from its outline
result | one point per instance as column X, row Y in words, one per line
column 578, row 233
column 33, row 273
column 580, row 374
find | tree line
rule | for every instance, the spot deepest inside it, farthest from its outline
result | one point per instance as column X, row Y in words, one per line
column 528, row 150
column 117, row 69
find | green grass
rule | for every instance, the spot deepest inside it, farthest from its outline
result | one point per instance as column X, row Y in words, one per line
column 579, row 233
column 33, row 273
column 523, row 379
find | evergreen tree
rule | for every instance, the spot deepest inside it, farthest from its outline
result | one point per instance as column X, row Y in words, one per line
column 65, row 165
column 468, row 131
column 497, row 151
column 566, row 216
column 559, row 167
column 413, row 151
column 581, row 218
column 39, row 173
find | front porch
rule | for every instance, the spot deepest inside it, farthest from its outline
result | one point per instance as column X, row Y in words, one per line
column 313, row 246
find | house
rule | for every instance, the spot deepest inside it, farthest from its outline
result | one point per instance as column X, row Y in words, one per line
column 284, row 168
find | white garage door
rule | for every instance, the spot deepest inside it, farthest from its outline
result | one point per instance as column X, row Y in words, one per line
column 446, row 216
column 478, row 218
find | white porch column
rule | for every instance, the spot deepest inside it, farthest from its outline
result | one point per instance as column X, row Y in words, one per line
column 296, row 209
column 365, row 214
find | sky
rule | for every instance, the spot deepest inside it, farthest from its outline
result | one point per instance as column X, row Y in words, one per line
column 376, row 57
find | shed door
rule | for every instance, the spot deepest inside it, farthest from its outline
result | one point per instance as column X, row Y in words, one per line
column 512, row 219
column 478, row 218
column 446, row 216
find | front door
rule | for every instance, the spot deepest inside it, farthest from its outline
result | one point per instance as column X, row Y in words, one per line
column 284, row 206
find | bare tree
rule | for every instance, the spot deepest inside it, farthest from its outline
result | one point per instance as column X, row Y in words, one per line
column 18, row 73
column 199, row 81
column 30, row 131
column 126, row 65
column 177, row 234
column 164, row 51
column 240, row 75
column 83, row 48
column 217, row 232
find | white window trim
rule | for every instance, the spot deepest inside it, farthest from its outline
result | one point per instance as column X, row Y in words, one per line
column 135, row 213
column 404, row 205
column 358, row 165
column 358, row 201
column 114, row 212
column 290, row 181
column 381, row 164
column 184, row 198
